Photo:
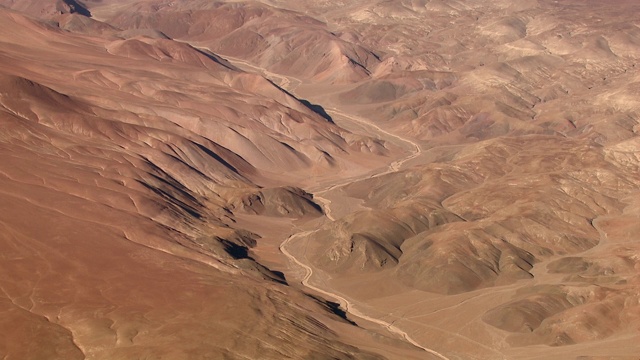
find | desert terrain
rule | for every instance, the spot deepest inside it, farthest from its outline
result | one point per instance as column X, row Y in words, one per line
column 389, row 179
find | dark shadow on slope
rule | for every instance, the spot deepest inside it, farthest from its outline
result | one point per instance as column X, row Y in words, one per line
column 317, row 109
column 172, row 199
column 281, row 275
column 78, row 8
column 334, row 308
column 220, row 61
column 313, row 107
column 217, row 158
column 240, row 252
column 235, row 250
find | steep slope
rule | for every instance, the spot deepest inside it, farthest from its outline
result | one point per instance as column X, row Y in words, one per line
column 488, row 210
column 282, row 41
column 125, row 159
column 518, row 108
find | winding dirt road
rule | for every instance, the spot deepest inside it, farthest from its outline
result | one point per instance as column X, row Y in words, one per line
column 346, row 304
column 349, row 306
column 290, row 84
column 416, row 150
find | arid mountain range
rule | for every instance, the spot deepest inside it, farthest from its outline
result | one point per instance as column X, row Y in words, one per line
column 277, row 179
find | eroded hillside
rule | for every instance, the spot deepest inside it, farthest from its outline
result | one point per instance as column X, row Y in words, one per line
column 192, row 178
